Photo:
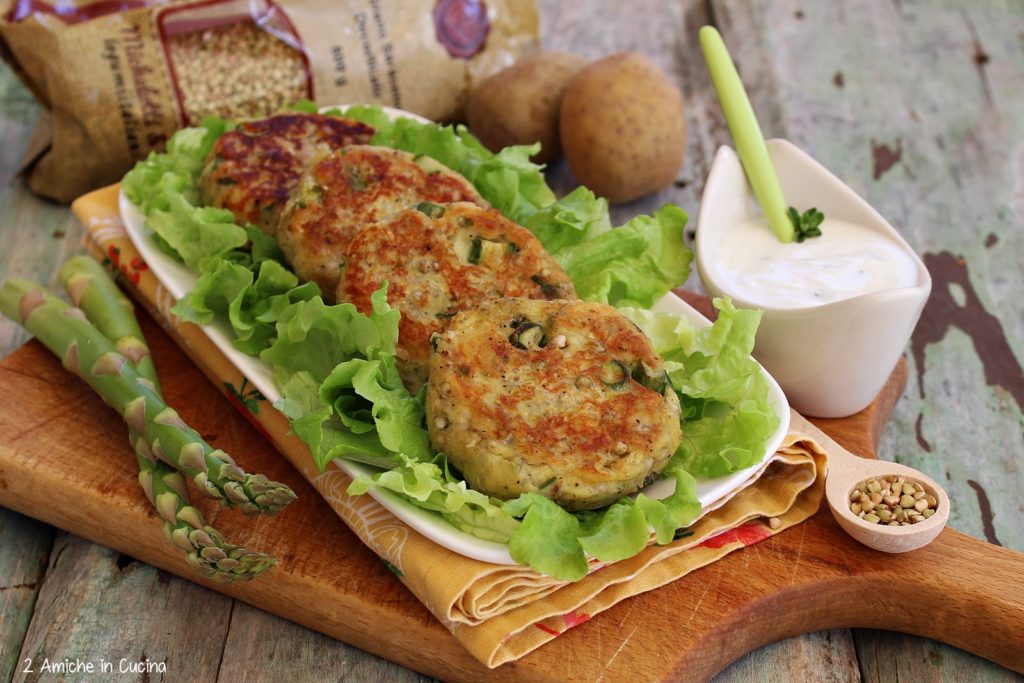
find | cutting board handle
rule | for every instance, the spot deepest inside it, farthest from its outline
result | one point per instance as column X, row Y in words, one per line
column 958, row 590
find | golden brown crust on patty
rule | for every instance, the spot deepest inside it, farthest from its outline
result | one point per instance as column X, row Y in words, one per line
column 577, row 408
column 343, row 192
column 437, row 266
column 252, row 170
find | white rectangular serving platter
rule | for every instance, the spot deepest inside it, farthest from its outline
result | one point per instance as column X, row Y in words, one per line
column 179, row 280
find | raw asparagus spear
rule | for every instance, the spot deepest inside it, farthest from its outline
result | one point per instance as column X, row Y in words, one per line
column 206, row 550
column 86, row 352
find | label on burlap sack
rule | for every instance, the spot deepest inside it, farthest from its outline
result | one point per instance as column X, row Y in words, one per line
column 105, row 83
column 117, row 84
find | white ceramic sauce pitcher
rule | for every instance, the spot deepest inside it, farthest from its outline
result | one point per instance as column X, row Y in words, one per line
column 831, row 359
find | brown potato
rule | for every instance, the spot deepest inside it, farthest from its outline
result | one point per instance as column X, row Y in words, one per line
column 519, row 106
column 622, row 127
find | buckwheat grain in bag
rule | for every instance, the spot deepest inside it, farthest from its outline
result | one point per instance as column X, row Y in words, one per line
column 117, row 79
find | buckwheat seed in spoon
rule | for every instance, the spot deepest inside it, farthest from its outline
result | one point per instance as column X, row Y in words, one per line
column 892, row 500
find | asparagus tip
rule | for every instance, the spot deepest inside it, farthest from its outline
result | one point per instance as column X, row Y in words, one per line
column 216, row 559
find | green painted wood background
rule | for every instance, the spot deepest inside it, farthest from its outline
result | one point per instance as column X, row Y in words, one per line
column 917, row 104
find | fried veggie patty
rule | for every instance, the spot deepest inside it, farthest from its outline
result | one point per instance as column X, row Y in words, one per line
column 566, row 398
column 439, row 260
column 346, row 190
column 252, row 170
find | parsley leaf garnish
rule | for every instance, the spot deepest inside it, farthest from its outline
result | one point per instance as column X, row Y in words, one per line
column 806, row 225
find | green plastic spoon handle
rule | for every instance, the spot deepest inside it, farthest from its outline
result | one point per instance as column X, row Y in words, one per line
column 746, row 133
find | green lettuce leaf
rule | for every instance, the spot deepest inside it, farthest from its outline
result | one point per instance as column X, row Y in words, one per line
column 368, row 394
column 540, row 533
column 220, row 282
column 432, row 486
column 668, row 515
column 556, row 542
column 255, row 311
column 340, row 385
column 636, row 263
column 620, row 531
column 176, row 168
column 193, row 232
column 251, row 288
column 508, row 180
column 314, row 421
column 571, row 220
column 548, row 539
column 165, row 186
column 727, row 417
column 315, row 337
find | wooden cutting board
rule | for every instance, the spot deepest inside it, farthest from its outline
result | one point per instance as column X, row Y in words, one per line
column 64, row 459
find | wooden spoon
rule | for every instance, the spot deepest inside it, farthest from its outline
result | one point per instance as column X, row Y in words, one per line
column 847, row 470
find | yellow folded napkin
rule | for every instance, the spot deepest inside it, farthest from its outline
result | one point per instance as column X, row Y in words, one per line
column 499, row 613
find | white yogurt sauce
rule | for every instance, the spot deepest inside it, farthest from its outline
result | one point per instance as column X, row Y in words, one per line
column 846, row 261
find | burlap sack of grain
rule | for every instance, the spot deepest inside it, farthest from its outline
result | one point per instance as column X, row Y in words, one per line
column 117, row 79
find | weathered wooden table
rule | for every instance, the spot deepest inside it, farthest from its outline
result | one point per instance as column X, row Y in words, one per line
column 918, row 105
